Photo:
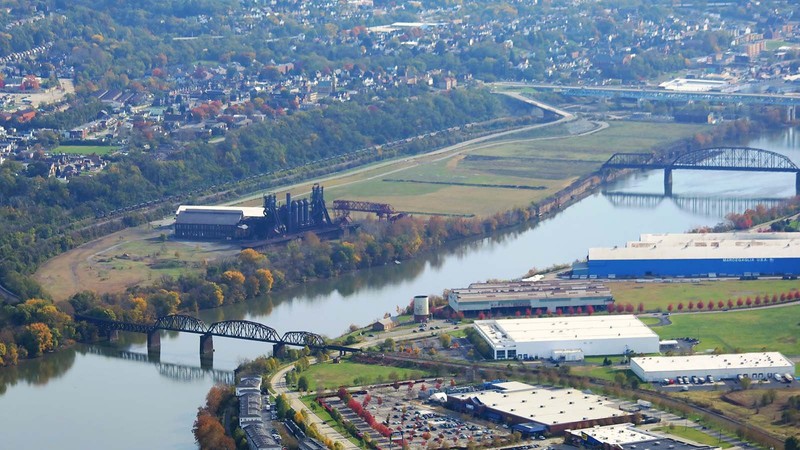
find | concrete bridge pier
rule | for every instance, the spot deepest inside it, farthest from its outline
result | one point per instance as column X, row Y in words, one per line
column 278, row 350
column 207, row 361
column 154, row 341
column 206, row 344
column 791, row 114
column 797, row 183
column 113, row 335
column 668, row 182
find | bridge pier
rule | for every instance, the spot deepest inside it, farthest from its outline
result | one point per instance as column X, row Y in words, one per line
column 206, row 344
column 797, row 183
column 791, row 114
column 113, row 335
column 153, row 341
column 668, row 182
column 207, row 361
column 278, row 350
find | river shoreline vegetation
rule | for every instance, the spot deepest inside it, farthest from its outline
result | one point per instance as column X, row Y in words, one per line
column 37, row 325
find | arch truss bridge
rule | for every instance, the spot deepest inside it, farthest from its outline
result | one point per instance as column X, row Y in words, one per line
column 235, row 329
column 745, row 159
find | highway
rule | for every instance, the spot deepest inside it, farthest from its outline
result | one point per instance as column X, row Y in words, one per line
column 660, row 94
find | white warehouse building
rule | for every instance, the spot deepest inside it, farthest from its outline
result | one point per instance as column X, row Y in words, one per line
column 756, row 366
column 569, row 338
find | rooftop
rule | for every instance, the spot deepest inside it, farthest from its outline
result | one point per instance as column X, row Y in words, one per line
column 506, row 331
column 548, row 406
column 481, row 292
column 705, row 362
column 246, row 211
column 704, row 246
column 624, row 433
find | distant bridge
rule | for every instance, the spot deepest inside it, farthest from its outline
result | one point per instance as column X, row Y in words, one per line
column 711, row 206
column 236, row 329
column 343, row 207
column 746, row 159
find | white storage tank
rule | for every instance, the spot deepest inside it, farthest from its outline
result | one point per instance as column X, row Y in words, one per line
column 422, row 308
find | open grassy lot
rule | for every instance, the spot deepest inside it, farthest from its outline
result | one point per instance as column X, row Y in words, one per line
column 85, row 149
column 658, row 296
column 530, row 158
column 749, row 406
column 330, row 376
column 694, row 435
column 126, row 258
column 757, row 329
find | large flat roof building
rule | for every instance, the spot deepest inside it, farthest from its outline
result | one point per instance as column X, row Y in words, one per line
column 213, row 222
column 547, row 337
column 727, row 366
column 553, row 408
column 696, row 255
column 546, row 296
column 626, row 437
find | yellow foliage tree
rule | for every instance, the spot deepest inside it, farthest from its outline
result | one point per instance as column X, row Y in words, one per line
column 265, row 279
column 232, row 277
column 39, row 338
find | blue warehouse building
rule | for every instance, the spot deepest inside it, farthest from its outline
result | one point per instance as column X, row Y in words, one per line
column 696, row 255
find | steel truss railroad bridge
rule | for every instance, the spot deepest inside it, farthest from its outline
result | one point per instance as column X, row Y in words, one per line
column 236, row 329
column 745, row 159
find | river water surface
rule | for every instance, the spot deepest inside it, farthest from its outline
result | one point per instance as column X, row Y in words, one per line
column 112, row 396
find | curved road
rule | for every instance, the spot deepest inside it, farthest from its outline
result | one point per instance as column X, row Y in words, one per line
column 278, row 383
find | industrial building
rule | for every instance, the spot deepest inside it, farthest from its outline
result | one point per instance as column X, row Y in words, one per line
column 214, row 222
column 696, row 255
column 238, row 222
column 626, row 437
column 568, row 338
column 539, row 409
column 756, row 366
column 545, row 296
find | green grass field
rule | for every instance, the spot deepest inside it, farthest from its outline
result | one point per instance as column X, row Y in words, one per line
column 330, row 376
column 757, row 329
column 658, row 296
column 85, row 149
column 694, row 435
column 523, row 159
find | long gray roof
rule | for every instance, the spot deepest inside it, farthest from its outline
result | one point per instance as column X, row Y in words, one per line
column 208, row 217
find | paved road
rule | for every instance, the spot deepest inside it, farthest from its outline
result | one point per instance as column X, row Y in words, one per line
column 278, row 383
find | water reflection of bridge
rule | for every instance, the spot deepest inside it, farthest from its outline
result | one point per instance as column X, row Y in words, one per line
column 714, row 206
column 170, row 370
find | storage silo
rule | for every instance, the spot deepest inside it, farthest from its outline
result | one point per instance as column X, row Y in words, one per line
column 421, row 308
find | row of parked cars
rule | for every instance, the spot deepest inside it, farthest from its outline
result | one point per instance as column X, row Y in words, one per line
column 689, row 380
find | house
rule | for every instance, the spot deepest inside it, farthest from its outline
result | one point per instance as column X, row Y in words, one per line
column 385, row 324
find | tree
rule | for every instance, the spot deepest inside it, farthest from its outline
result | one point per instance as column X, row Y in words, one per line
column 302, row 384
column 720, row 304
column 164, row 302
column 690, row 306
column 730, row 304
column 38, row 339
column 640, row 308
column 792, row 443
column 669, row 307
column 209, row 433
column 446, row 340
column 700, row 305
column 745, row 383
column 680, row 306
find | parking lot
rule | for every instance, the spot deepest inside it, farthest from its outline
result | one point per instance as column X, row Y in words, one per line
column 419, row 422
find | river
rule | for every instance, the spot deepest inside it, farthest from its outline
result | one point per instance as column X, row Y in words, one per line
column 112, row 396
